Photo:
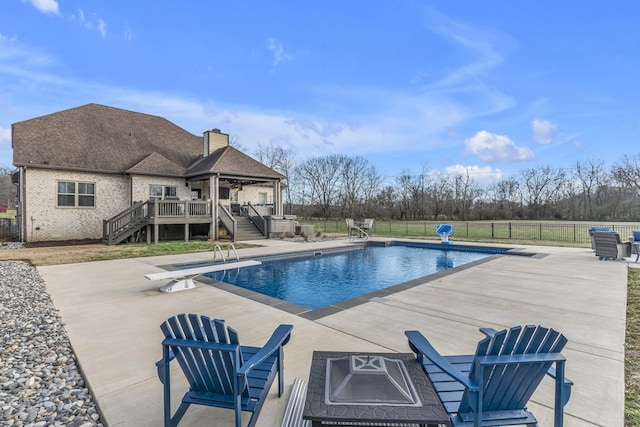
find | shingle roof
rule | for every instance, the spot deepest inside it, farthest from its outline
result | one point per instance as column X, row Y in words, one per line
column 230, row 161
column 156, row 164
column 99, row 138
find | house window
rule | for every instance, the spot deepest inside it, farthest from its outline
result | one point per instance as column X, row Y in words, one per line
column 162, row 191
column 76, row 194
column 262, row 198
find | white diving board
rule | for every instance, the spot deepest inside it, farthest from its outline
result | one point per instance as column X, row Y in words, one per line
column 183, row 279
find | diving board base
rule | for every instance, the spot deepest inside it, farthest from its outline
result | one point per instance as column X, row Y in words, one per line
column 183, row 279
column 178, row 285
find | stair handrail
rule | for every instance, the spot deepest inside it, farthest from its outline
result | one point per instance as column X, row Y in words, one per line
column 135, row 214
column 257, row 219
column 219, row 250
column 228, row 221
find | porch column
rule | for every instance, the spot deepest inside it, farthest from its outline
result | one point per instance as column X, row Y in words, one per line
column 213, row 192
column 277, row 201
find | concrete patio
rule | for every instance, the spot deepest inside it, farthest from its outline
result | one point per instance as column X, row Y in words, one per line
column 112, row 314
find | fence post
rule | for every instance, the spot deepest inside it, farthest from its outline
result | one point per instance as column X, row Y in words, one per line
column 540, row 232
column 574, row 232
column 510, row 231
column 492, row 234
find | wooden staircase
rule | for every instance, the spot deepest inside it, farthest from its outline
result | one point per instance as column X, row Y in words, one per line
column 246, row 230
column 126, row 224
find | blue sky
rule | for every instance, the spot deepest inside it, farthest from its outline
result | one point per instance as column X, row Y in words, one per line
column 492, row 87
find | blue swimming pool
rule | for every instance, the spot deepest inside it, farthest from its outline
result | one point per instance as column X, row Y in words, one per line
column 320, row 279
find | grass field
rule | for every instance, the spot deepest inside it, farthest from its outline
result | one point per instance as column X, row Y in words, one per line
column 632, row 350
column 538, row 232
column 10, row 213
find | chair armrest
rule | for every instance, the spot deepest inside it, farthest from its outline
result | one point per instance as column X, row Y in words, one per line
column 160, row 365
column 421, row 346
column 280, row 337
column 489, row 332
column 567, row 384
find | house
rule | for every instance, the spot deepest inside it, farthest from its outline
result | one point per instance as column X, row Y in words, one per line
column 99, row 172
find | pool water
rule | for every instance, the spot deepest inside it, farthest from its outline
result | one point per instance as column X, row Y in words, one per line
column 318, row 281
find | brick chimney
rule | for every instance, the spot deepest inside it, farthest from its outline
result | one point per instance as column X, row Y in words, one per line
column 213, row 140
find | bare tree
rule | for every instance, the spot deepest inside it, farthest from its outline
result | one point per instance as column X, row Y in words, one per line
column 591, row 175
column 505, row 195
column 234, row 141
column 280, row 159
column 540, row 188
column 372, row 183
column 352, row 174
column 465, row 191
column 440, row 194
column 7, row 188
column 320, row 183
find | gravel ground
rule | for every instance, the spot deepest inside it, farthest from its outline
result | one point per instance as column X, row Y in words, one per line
column 40, row 382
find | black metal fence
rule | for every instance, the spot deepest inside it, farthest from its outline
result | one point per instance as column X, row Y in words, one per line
column 504, row 230
column 8, row 230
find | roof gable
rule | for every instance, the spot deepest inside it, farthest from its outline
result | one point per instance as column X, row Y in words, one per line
column 156, row 164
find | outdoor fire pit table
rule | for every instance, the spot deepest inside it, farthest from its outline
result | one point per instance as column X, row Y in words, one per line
column 371, row 389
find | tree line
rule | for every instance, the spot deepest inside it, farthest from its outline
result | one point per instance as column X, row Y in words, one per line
column 341, row 186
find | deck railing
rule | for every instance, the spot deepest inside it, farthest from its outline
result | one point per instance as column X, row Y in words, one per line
column 179, row 209
column 131, row 220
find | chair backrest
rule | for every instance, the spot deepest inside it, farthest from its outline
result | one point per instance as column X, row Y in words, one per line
column 211, row 369
column 508, row 387
column 367, row 223
column 350, row 222
column 636, row 235
column 606, row 244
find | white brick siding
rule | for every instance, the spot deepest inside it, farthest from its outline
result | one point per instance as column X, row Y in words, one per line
column 140, row 187
column 45, row 221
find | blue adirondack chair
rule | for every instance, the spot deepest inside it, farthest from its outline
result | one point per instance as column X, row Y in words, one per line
column 492, row 387
column 219, row 370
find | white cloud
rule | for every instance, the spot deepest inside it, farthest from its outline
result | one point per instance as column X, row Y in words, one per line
column 102, row 28
column 466, row 85
column 279, row 54
column 93, row 23
column 482, row 175
column 543, row 131
column 491, row 147
column 45, row 6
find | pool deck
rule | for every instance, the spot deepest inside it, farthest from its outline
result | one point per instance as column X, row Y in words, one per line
column 112, row 314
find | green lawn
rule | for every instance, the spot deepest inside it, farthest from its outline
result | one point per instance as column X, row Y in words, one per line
column 515, row 232
column 10, row 213
column 632, row 350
